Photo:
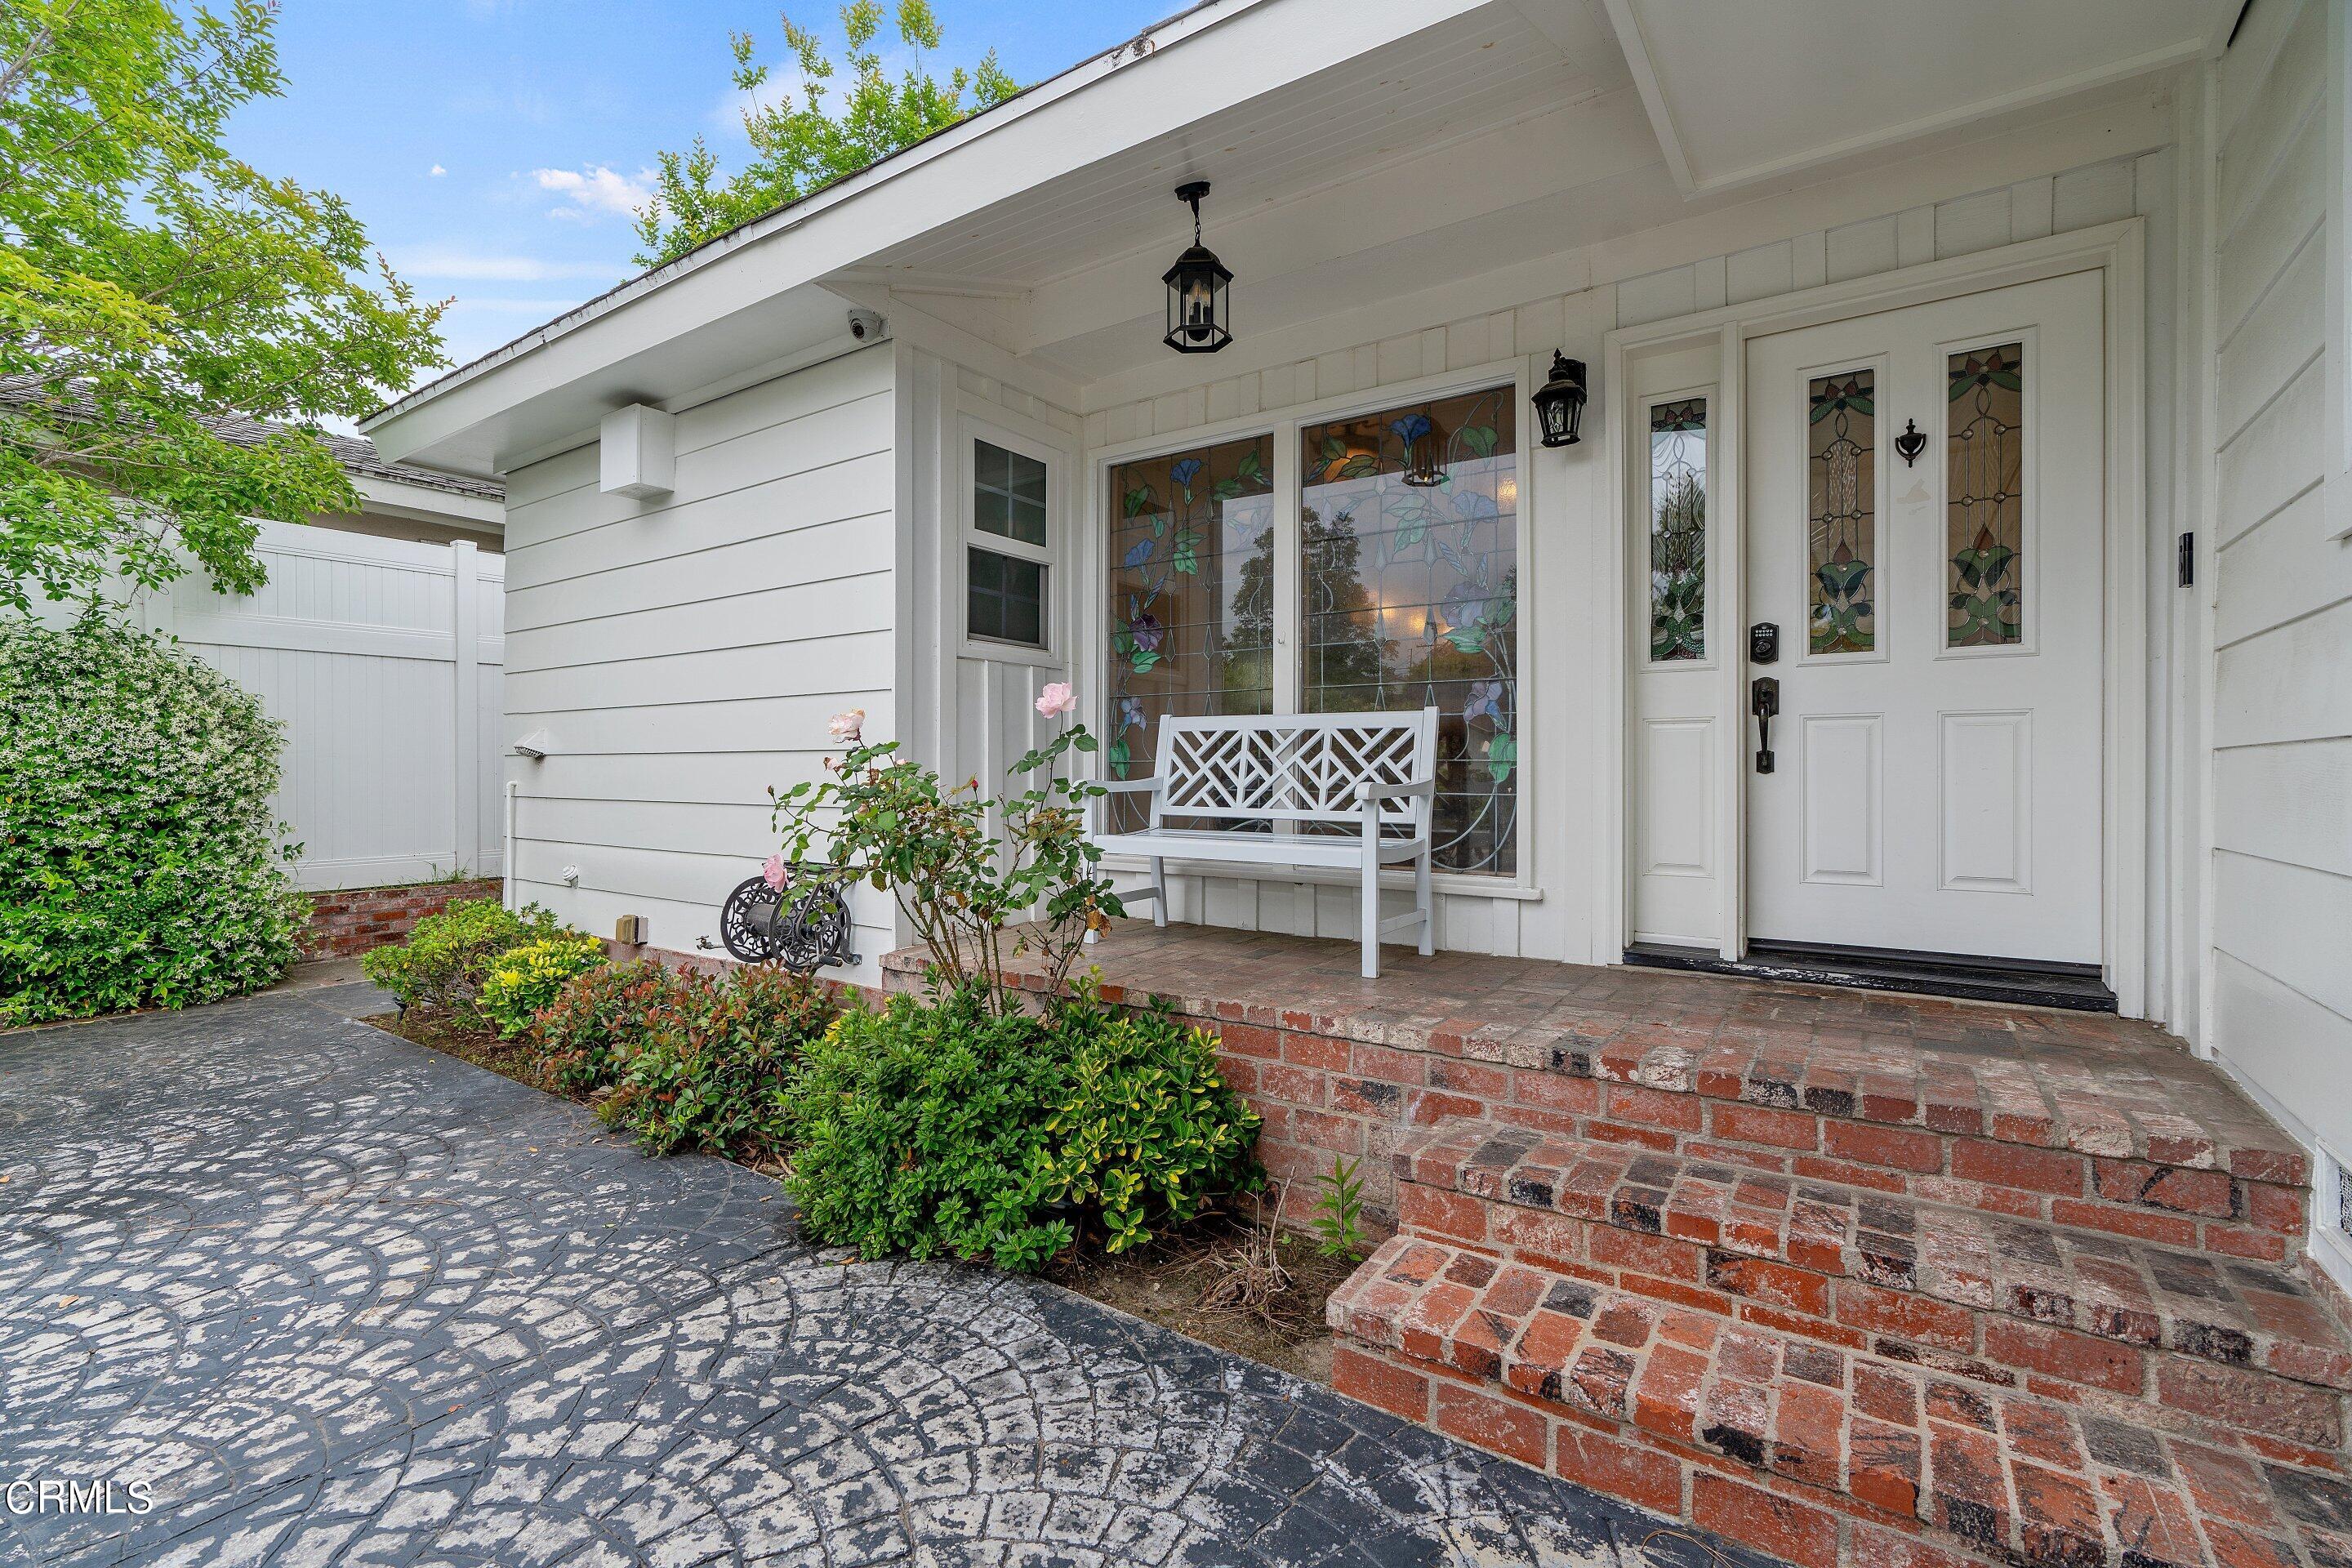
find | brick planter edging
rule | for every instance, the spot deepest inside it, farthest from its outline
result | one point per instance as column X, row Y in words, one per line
column 346, row 921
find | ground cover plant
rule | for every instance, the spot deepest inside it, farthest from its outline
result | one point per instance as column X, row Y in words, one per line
column 140, row 861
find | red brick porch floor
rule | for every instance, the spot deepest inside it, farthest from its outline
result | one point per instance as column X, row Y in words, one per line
column 1856, row 1278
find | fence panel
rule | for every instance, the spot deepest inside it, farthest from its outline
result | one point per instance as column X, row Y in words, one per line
column 385, row 658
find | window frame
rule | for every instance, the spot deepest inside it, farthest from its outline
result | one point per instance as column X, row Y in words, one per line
column 1090, row 566
column 1052, row 556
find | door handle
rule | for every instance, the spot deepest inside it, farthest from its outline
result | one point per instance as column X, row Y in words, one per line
column 1764, row 701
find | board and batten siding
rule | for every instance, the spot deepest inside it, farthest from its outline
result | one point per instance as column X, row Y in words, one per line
column 683, row 653
column 2280, row 1009
column 970, row 709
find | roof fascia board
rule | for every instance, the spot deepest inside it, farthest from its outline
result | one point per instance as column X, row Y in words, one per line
column 425, row 504
column 1262, row 44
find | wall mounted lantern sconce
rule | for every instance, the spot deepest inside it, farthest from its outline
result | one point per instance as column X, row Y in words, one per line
column 1560, row 401
column 1199, row 304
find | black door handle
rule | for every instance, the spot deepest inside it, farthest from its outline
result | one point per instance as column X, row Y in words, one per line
column 1764, row 701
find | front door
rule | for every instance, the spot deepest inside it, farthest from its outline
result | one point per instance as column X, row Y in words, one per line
column 1924, row 512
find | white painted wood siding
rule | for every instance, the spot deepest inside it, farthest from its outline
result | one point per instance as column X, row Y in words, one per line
column 684, row 653
column 383, row 659
column 2280, row 589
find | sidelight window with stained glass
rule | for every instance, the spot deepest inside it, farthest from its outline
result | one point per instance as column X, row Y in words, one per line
column 1409, row 556
column 1190, row 616
column 1984, row 503
column 1678, row 530
column 1841, row 512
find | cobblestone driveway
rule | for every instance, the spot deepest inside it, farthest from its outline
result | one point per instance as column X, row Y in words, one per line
column 340, row 1300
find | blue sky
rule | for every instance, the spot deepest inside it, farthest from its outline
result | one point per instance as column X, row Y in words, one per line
column 495, row 147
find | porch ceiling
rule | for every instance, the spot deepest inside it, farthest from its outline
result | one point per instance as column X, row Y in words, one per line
column 1419, row 95
column 1742, row 93
column 1510, row 132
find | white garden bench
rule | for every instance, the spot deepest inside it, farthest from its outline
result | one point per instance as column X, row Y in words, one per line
column 1285, row 786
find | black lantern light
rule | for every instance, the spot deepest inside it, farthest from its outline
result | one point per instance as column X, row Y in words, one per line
column 1560, row 401
column 1424, row 447
column 1199, row 304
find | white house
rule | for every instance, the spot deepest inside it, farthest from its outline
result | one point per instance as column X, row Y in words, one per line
column 1988, row 362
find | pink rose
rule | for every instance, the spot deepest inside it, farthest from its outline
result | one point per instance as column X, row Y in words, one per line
column 847, row 726
column 1057, row 699
column 772, row 873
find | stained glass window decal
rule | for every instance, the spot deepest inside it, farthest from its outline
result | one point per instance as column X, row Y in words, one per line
column 1410, row 578
column 1984, row 502
column 1192, row 598
column 1841, row 512
column 1678, row 530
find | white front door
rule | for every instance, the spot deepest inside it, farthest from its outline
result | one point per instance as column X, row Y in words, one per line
column 1935, row 777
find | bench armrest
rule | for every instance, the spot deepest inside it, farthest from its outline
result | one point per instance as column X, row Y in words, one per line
column 1369, row 792
column 1126, row 787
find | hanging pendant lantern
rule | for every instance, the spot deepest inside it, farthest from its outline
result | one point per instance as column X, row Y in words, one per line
column 1424, row 445
column 1199, row 299
column 1560, row 401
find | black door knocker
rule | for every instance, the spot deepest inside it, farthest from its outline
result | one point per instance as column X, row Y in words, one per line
column 1911, row 443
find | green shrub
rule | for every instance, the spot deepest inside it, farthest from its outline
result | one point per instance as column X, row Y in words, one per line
column 139, row 864
column 522, row 979
column 1149, row 1126
column 708, row 1072
column 583, row 1036
column 954, row 1129
column 446, row 959
column 919, row 1128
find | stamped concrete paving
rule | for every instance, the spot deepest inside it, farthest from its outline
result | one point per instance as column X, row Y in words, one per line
column 340, row 1300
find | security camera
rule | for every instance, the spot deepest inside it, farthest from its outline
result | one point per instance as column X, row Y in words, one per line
column 867, row 326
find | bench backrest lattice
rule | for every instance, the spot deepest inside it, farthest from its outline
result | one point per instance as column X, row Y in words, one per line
column 1295, row 768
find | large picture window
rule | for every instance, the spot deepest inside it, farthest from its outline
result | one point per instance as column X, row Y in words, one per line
column 1409, row 572
column 1190, row 610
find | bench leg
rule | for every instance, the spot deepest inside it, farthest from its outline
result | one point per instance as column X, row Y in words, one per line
column 1372, row 915
column 1422, row 898
column 1160, row 891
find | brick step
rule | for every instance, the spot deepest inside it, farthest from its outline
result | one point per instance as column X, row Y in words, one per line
column 2195, row 1181
column 1818, row 1454
column 1869, row 1266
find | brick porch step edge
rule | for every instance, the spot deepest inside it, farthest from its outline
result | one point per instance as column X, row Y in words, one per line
column 2141, row 1108
column 1860, row 1262
column 1818, row 1455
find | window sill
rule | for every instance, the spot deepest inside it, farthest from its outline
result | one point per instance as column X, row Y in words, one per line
column 1453, row 884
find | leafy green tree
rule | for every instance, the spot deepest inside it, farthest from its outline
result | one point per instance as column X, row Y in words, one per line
column 799, row 145
column 152, row 285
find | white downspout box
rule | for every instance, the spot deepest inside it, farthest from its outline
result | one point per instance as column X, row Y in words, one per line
column 636, row 451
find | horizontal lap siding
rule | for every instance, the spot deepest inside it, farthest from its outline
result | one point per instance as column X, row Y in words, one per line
column 2282, row 874
column 684, row 653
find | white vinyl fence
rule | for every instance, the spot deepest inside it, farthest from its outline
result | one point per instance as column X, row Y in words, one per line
column 384, row 659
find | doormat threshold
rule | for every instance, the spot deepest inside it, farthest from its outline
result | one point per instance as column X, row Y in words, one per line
column 2074, row 987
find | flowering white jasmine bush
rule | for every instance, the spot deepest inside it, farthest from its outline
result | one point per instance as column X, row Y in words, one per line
column 139, row 862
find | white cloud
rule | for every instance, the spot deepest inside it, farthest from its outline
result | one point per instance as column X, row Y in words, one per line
column 475, row 267
column 597, row 192
column 437, row 170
